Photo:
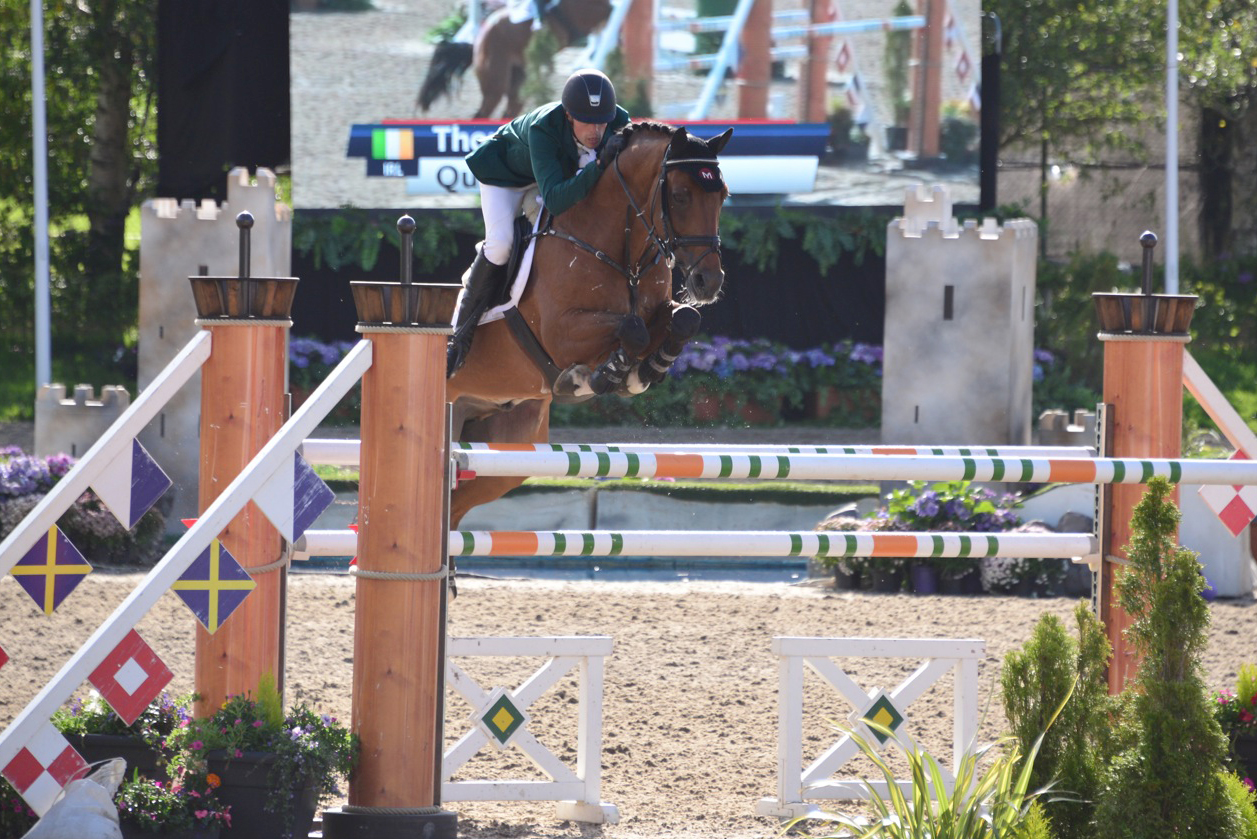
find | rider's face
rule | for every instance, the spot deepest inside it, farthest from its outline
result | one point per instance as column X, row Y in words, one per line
column 588, row 133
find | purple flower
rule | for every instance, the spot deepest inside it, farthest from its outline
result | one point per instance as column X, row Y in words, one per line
column 1245, row 277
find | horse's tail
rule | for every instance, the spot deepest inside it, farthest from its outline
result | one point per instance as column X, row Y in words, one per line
column 450, row 60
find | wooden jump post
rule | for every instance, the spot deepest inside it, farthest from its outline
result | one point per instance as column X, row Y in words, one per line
column 403, row 518
column 1142, row 416
column 242, row 407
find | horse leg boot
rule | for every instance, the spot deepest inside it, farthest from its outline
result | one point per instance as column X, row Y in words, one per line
column 634, row 337
column 483, row 279
column 684, row 326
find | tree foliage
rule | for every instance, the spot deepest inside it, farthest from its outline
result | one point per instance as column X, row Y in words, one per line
column 99, row 62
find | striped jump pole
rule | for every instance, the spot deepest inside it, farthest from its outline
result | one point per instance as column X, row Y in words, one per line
column 334, row 452
column 831, row 467
column 804, row 543
column 759, row 543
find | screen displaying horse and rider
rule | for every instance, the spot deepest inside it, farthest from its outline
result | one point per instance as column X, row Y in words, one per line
column 840, row 101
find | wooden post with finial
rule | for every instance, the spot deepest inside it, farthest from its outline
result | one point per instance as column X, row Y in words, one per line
column 242, row 407
column 1141, row 416
column 403, row 522
column 755, row 61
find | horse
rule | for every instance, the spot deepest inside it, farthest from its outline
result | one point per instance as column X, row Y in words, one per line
column 497, row 54
column 599, row 301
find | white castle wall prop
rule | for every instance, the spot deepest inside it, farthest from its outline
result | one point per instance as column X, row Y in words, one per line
column 959, row 332
column 71, row 426
column 180, row 239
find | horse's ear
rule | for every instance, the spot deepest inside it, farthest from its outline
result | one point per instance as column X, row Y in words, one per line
column 715, row 144
column 679, row 139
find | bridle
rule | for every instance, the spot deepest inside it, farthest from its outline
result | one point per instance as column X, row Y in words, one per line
column 657, row 247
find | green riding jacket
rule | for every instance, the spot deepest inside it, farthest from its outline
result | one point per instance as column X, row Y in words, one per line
column 538, row 147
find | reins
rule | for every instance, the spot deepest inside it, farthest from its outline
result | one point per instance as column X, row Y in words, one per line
column 656, row 248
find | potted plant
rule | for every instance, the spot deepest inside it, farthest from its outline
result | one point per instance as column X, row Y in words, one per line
column 153, row 809
column 274, row 768
column 1236, row 713
column 843, row 382
column 97, row 733
column 882, row 573
column 16, row 816
column 898, row 56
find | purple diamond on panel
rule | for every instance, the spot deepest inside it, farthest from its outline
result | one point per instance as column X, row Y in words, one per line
column 310, row 496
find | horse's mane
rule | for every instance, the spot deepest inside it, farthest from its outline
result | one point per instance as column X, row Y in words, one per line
column 695, row 146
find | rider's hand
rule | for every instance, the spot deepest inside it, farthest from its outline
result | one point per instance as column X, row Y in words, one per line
column 612, row 147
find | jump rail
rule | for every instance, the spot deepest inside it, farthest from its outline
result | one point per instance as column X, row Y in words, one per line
column 346, row 452
column 805, row 543
column 837, row 467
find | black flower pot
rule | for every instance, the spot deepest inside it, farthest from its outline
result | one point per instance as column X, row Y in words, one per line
column 133, row 831
column 247, row 788
column 887, row 580
column 138, row 754
column 1245, row 748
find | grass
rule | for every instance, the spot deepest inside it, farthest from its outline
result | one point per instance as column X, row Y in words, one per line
column 345, row 479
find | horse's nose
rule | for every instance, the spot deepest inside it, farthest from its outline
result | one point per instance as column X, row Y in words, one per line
column 708, row 280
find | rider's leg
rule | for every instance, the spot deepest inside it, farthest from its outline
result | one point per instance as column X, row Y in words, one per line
column 500, row 206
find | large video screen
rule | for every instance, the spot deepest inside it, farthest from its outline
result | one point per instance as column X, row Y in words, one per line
column 851, row 104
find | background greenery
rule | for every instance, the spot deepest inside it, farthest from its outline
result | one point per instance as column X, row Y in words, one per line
column 1076, row 79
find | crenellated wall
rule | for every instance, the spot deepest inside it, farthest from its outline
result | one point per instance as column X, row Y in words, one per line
column 180, row 239
column 959, row 329
column 71, row 426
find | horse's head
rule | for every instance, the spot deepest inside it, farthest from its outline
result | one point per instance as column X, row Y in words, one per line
column 680, row 174
column 694, row 192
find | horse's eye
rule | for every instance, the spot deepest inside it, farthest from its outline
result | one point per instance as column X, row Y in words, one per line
column 680, row 197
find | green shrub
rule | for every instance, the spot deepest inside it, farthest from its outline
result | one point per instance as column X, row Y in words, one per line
column 1166, row 779
column 1245, row 802
column 1034, row 681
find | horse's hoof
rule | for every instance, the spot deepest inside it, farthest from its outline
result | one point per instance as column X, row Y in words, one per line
column 572, row 385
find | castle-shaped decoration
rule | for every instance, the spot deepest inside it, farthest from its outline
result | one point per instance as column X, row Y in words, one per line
column 182, row 239
column 72, row 426
column 959, row 331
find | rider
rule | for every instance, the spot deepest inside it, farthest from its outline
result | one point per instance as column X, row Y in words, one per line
column 562, row 148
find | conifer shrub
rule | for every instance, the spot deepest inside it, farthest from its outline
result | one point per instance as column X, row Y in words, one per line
column 1035, row 681
column 1166, row 778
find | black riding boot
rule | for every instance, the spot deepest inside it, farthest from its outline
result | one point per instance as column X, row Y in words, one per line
column 483, row 279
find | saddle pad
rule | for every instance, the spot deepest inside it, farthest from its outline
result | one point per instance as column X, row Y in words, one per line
column 518, row 281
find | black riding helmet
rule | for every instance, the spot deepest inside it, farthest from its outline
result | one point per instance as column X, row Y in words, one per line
column 589, row 96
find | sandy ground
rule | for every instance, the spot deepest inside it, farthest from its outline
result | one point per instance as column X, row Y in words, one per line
column 691, row 688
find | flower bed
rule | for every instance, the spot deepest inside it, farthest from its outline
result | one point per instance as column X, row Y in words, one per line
column 88, row 524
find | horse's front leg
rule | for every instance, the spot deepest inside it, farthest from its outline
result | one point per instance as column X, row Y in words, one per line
column 631, row 340
column 681, row 323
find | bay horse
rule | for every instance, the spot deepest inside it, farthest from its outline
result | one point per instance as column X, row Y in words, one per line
column 599, row 299
column 497, row 54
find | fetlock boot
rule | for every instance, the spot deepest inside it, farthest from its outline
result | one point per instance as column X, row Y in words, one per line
column 483, row 280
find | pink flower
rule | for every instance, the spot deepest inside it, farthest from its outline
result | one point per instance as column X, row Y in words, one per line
column 257, row 723
column 200, row 814
column 1245, row 717
column 196, row 745
column 1250, row 784
column 239, row 753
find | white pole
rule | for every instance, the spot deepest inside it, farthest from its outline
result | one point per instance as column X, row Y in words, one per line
column 43, row 329
column 1171, row 147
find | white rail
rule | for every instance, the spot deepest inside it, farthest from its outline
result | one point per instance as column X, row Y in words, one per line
column 101, row 455
column 273, row 456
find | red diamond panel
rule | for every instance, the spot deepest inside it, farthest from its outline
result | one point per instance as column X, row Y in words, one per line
column 68, row 766
column 130, row 677
column 23, row 770
column 4, row 657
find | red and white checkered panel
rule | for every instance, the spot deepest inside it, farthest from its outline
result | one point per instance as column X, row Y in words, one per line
column 130, row 677
column 1235, row 505
column 43, row 767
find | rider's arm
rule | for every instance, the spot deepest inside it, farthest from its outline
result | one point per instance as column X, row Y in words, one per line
column 549, row 164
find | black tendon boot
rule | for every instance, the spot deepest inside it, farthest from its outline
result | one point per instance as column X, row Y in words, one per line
column 482, row 281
